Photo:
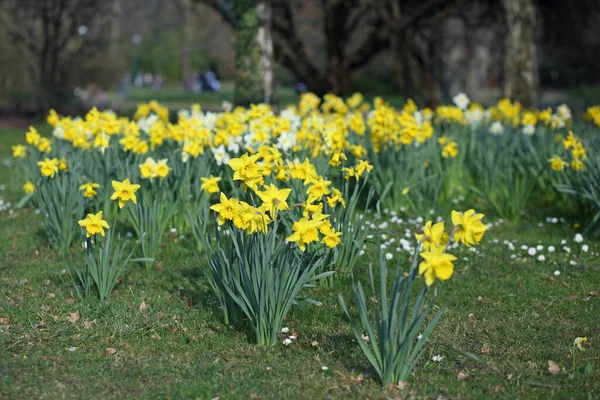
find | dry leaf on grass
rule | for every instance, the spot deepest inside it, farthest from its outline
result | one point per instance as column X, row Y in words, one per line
column 73, row 317
column 143, row 307
column 462, row 375
column 553, row 367
column 110, row 351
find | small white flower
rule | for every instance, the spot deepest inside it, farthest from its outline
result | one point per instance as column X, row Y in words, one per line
column 292, row 337
column 437, row 358
column 461, row 100
column 551, row 249
column 173, row 230
column 532, row 251
column 324, row 368
column 287, row 341
column 541, row 257
column 573, row 262
column 539, row 247
column 557, row 272
column 314, row 343
column 524, row 247
column 71, row 348
column 389, row 256
column 585, row 248
column 578, row 238
column 365, row 338
column 496, row 128
column 567, row 249
column 529, row 130
column 563, row 242
column 285, row 329
column 420, row 336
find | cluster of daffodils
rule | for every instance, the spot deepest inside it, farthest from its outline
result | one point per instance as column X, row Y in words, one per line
column 153, row 169
column 123, row 192
column 311, row 192
column 437, row 264
column 576, row 152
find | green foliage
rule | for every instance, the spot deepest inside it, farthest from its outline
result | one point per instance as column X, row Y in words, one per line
column 392, row 323
column 61, row 206
column 105, row 262
column 150, row 218
column 257, row 276
column 352, row 224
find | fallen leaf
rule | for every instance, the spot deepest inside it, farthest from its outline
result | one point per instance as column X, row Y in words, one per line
column 69, row 300
column 593, row 293
column 51, row 295
column 89, row 324
column 73, row 317
column 509, row 377
column 553, row 367
column 143, row 307
column 399, row 386
column 4, row 321
column 485, row 350
column 110, row 351
column 462, row 375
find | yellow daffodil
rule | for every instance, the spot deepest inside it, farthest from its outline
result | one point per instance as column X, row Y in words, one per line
column 436, row 264
column 28, row 187
column 124, row 191
column 62, row 164
column 557, row 163
column 227, row 208
column 148, row 168
column 210, row 184
column 49, row 167
column 19, row 151
column 89, row 189
column 44, row 145
column 305, row 231
column 319, row 188
column 94, row 224
column 247, row 170
column 433, row 236
column 32, row 136
column 331, row 238
column 162, row 169
column 468, row 227
column 335, row 198
column 274, row 199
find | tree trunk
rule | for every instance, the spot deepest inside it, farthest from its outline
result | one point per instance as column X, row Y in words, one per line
column 265, row 43
column 115, row 28
column 254, row 52
column 521, row 75
column 185, row 39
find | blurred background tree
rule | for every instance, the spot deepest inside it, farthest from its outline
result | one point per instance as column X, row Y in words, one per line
column 534, row 51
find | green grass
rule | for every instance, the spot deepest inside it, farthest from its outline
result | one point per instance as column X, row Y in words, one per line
column 513, row 315
column 175, row 97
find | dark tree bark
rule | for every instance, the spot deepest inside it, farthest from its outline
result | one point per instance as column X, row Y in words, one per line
column 521, row 73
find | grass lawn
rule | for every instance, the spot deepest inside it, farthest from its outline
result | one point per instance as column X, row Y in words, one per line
column 175, row 97
column 513, row 314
